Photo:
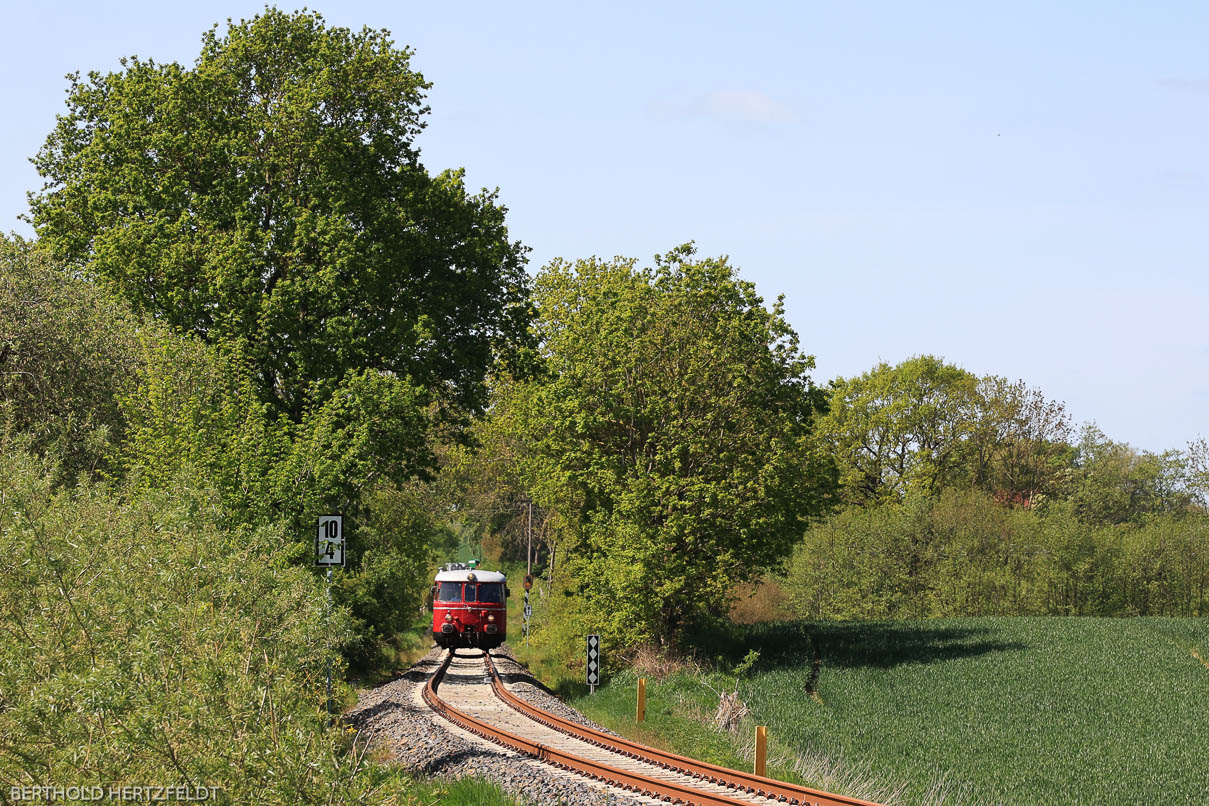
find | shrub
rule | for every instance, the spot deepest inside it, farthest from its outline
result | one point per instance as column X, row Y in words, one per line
column 66, row 353
column 197, row 406
column 964, row 554
column 144, row 640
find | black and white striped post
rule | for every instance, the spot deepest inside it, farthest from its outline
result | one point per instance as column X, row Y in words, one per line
column 593, row 663
column 527, row 613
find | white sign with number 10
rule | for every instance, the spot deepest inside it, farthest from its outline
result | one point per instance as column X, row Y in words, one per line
column 329, row 543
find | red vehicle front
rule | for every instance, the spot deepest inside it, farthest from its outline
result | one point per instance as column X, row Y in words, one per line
column 468, row 608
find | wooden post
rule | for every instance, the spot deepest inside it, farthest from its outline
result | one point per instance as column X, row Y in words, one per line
column 761, row 748
column 641, row 698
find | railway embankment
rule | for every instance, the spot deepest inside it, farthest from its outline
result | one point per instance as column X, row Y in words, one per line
column 397, row 719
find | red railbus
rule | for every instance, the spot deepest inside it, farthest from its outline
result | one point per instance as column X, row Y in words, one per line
column 469, row 607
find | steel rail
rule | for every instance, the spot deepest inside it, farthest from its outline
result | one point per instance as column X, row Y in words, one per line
column 711, row 773
column 742, row 783
column 629, row 781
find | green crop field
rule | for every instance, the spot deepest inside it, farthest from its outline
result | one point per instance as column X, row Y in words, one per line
column 981, row 711
column 1006, row 710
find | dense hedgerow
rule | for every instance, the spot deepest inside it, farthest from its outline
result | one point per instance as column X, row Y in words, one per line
column 145, row 641
column 964, row 554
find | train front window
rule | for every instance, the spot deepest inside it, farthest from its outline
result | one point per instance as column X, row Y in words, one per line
column 470, row 591
column 491, row 592
column 451, row 592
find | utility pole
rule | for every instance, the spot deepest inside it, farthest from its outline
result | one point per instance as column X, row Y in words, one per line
column 527, row 503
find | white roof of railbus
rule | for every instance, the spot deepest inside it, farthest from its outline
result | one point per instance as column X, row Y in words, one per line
column 464, row 576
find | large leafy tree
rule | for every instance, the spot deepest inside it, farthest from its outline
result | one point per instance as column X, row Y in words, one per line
column 1116, row 483
column 900, row 427
column 671, row 432
column 272, row 197
column 924, row 425
column 1019, row 445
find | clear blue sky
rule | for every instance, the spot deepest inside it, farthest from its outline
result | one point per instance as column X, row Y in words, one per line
column 1020, row 188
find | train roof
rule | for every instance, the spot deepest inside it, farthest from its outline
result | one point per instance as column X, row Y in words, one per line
column 466, row 575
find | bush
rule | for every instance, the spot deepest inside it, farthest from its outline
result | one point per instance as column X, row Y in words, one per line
column 964, row 554
column 66, row 353
column 197, row 406
column 146, row 640
column 386, row 586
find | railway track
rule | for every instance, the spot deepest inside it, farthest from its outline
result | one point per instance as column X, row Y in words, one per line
column 474, row 698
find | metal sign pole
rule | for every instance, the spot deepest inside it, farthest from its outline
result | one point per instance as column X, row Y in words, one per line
column 329, row 631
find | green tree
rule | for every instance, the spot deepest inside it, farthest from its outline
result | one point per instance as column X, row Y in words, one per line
column 196, row 407
column 1115, row 483
column 1019, row 444
column 66, row 354
column 926, row 425
column 487, row 484
column 671, row 434
column 1197, row 462
column 272, row 197
column 900, row 427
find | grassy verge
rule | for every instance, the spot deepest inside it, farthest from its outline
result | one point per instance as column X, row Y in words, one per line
column 462, row 792
column 679, row 709
column 395, row 657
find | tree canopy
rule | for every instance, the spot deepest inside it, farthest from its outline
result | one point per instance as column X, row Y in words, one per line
column 325, row 305
column 897, row 427
column 272, row 196
column 1116, row 483
column 671, row 431
column 923, row 425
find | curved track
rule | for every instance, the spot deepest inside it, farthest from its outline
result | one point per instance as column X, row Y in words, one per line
column 474, row 697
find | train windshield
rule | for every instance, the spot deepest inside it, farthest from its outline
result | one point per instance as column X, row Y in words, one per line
column 490, row 592
column 450, row 592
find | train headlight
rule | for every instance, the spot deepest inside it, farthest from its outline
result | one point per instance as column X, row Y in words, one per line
column 449, row 616
column 490, row 617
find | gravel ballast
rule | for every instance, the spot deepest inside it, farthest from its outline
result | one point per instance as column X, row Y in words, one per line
column 394, row 716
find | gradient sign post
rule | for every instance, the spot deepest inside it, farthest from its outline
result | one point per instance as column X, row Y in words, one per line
column 329, row 553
